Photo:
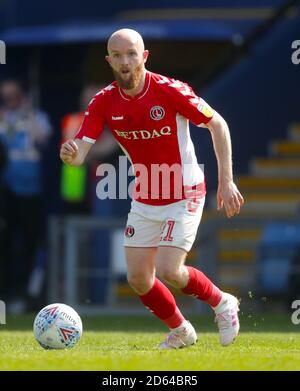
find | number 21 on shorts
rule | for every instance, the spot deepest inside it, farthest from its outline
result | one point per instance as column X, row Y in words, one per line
column 167, row 229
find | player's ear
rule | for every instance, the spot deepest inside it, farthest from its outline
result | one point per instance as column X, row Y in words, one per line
column 145, row 55
column 107, row 58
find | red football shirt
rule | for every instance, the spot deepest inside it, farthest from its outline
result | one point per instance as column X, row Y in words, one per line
column 152, row 128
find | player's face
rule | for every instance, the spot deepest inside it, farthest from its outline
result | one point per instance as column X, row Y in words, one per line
column 127, row 62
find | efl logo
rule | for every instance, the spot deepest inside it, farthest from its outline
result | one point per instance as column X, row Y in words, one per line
column 2, row 312
column 157, row 113
column 296, row 54
column 2, row 53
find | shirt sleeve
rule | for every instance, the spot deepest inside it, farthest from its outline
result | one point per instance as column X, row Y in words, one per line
column 93, row 121
column 189, row 105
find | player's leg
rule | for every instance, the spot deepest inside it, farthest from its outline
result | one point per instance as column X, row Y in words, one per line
column 191, row 281
column 182, row 333
column 177, row 237
column 151, row 291
column 141, row 238
column 170, row 263
column 180, row 232
column 140, row 268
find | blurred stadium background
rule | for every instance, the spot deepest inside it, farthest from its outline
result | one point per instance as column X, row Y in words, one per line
column 237, row 56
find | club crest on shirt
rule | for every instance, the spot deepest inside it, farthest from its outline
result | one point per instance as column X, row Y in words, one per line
column 157, row 113
column 129, row 231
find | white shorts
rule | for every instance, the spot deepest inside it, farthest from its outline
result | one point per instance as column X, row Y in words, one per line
column 173, row 225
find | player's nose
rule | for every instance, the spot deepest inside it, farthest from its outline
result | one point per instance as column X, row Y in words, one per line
column 124, row 61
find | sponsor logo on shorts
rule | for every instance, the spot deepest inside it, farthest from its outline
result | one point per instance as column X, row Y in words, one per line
column 129, row 231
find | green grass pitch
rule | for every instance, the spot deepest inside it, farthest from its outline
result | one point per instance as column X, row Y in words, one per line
column 129, row 343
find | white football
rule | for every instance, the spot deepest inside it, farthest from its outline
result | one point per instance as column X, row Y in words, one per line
column 57, row 326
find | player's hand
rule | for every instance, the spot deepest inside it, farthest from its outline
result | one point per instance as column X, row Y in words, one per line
column 229, row 196
column 68, row 151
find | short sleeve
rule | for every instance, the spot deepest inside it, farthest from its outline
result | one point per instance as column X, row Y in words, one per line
column 189, row 105
column 93, row 121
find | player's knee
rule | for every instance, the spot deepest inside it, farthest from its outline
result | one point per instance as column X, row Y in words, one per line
column 140, row 283
column 169, row 275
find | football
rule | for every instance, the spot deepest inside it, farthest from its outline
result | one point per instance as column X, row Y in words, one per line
column 57, row 326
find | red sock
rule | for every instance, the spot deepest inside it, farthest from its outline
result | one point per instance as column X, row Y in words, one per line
column 202, row 288
column 161, row 302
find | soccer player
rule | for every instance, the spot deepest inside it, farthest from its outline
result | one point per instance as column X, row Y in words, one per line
column 149, row 116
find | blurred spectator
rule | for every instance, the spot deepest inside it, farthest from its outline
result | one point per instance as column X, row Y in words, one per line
column 77, row 183
column 24, row 132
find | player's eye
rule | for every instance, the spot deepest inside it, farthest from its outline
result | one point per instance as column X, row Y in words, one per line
column 116, row 55
column 132, row 53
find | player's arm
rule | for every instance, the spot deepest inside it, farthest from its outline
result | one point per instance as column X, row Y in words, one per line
column 73, row 152
column 228, row 194
column 194, row 108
